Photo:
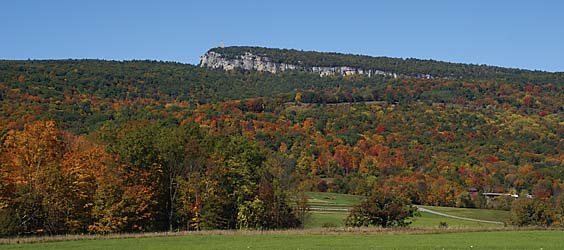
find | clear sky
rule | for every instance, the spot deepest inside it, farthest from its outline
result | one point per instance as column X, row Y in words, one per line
column 510, row 33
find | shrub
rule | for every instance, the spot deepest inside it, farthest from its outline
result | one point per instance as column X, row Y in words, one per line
column 328, row 225
column 322, row 186
column 531, row 212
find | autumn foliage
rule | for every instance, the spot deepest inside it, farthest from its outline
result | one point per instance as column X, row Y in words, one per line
column 142, row 178
column 91, row 146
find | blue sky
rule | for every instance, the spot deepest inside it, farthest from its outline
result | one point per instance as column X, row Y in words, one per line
column 521, row 34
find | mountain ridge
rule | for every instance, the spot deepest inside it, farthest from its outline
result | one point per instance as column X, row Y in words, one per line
column 275, row 60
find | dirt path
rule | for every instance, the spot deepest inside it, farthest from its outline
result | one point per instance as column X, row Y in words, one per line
column 421, row 209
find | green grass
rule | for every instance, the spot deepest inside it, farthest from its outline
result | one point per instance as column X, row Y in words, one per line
column 481, row 214
column 333, row 199
column 340, row 201
column 317, row 220
column 457, row 240
column 426, row 220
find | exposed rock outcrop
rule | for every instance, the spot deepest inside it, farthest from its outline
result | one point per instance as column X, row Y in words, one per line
column 246, row 61
column 345, row 70
column 249, row 61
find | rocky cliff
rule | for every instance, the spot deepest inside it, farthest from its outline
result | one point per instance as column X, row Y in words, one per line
column 246, row 61
column 249, row 61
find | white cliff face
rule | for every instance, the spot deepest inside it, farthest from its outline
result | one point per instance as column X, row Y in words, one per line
column 250, row 61
column 346, row 71
column 247, row 61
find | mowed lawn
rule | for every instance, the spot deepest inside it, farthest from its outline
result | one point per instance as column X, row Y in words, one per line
column 319, row 220
column 326, row 214
column 481, row 214
column 428, row 220
column 286, row 240
column 329, row 199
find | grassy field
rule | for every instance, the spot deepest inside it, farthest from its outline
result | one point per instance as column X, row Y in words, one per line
column 329, row 209
column 432, row 221
column 481, row 214
column 318, row 220
column 284, row 240
column 332, row 199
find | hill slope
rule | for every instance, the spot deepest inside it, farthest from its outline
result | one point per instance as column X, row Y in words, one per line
column 428, row 139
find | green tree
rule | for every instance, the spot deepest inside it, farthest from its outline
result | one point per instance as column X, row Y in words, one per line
column 181, row 153
column 382, row 208
column 140, row 165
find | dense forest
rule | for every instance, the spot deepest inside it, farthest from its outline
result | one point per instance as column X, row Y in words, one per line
column 149, row 146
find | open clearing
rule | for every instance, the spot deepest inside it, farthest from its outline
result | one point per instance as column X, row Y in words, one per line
column 479, row 214
column 330, row 210
column 427, row 220
column 304, row 240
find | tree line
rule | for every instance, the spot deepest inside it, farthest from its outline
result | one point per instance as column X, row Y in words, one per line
column 140, row 177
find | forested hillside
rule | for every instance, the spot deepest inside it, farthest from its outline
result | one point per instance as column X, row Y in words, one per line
column 148, row 146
